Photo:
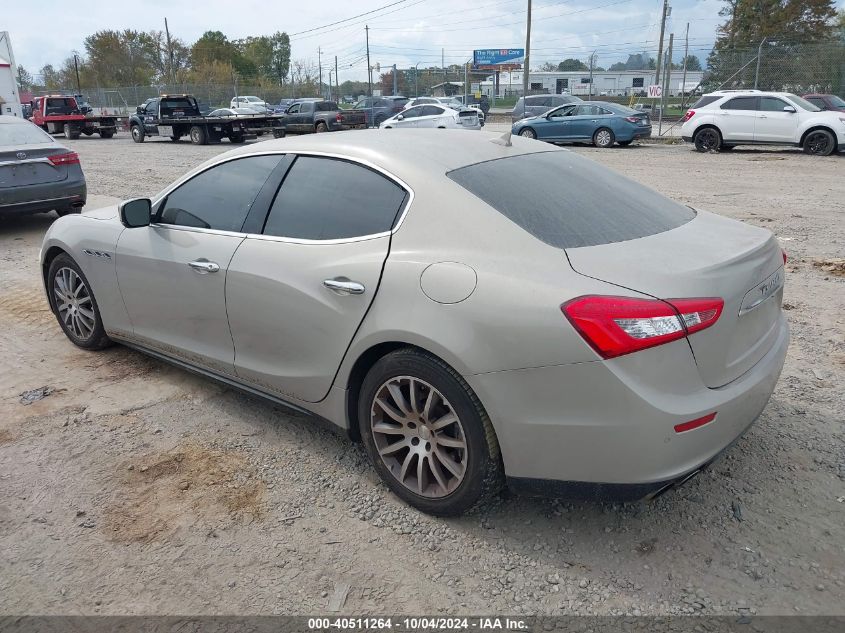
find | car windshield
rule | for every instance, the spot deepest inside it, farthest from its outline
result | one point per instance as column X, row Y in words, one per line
column 836, row 101
column 22, row 134
column 557, row 200
column 803, row 103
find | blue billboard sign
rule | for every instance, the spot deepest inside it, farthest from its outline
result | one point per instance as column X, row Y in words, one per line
column 495, row 56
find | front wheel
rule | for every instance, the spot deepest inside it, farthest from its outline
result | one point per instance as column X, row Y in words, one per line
column 427, row 434
column 819, row 143
column 137, row 133
column 707, row 139
column 603, row 138
column 74, row 304
column 198, row 136
column 528, row 133
column 106, row 133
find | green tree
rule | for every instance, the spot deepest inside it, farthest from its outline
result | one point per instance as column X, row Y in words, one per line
column 49, row 77
column 693, row 63
column 122, row 58
column 548, row 67
column 280, row 62
column 25, row 79
column 618, row 66
column 571, row 65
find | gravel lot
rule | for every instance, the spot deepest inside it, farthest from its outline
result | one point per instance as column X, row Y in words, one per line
column 138, row 488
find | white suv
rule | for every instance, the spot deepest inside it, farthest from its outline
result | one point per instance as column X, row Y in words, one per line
column 248, row 102
column 727, row 118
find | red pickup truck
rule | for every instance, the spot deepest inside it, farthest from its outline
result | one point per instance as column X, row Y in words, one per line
column 58, row 114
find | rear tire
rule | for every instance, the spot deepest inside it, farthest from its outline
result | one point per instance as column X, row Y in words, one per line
column 106, row 134
column 70, row 133
column 707, row 139
column 137, row 133
column 528, row 132
column 442, row 470
column 321, row 127
column 237, row 138
column 604, row 138
column 198, row 136
column 819, row 143
column 74, row 304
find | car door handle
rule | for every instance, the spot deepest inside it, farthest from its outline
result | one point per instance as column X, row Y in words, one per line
column 203, row 266
column 343, row 286
column 762, row 116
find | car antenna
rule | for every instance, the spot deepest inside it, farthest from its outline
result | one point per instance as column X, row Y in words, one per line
column 504, row 139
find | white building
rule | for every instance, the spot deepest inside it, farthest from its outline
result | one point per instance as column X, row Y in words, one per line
column 10, row 102
column 604, row 83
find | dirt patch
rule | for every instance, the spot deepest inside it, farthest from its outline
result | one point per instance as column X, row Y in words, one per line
column 184, row 488
column 7, row 436
column 834, row 266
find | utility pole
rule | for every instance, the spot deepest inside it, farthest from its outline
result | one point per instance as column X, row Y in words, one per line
column 665, row 84
column 169, row 53
column 337, row 79
column 666, row 11
column 684, row 80
column 395, row 81
column 369, row 75
column 525, row 71
column 320, row 70
column 76, row 67
column 592, row 64
column 759, row 55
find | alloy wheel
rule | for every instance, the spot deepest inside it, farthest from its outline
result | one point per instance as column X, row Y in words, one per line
column 418, row 436
column 73, row 301
column 528, row 133
column 819, row 143
column 603, row 138
column 707, row 140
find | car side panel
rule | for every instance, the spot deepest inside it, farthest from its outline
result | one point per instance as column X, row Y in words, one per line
column 91, row 242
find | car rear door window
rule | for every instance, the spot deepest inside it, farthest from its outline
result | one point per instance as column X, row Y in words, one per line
column 330, row 199
column 741, row 103
column 431, row 110
column 220, row 197
column 412, row 113
column 568, row 201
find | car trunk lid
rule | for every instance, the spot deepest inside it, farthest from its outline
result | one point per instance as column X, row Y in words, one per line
column 710, row 256
column 29, row 165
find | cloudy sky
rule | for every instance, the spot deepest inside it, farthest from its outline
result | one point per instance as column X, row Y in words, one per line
column 404, row 32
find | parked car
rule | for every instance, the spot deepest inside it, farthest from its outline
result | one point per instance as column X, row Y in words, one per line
column 534, row 105
column 319, row 116
column 725, row 119
column 421, row 101
column 826, row 102
column 457, row 103
column 283, row 105
column 434, row 116
column 597, row 122
column 464, row 328
column 378, row 109
column 235, row 113
column 250, row 102
column 37, row 174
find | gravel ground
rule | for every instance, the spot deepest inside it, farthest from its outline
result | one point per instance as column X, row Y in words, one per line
column 134, row 487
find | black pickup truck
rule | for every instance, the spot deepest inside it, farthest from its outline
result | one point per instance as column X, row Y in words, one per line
column 319, row 116
column 179, row 115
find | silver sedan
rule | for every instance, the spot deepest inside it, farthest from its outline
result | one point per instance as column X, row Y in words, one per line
column 473, row 311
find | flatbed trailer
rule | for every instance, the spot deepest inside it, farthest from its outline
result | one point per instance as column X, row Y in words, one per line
column 175, row 116
column 59, row 114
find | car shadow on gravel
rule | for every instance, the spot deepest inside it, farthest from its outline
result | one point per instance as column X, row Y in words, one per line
column 17, row 224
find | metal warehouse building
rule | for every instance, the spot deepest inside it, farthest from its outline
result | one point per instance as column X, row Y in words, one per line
column 10, row 102
column 609, row 83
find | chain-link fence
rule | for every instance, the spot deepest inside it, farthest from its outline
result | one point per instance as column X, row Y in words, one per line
column 779, row 66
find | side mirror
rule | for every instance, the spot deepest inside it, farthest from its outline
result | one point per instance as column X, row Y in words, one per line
column 400, row 117
column 136, row 213
column 139, row 110
column 789, row 109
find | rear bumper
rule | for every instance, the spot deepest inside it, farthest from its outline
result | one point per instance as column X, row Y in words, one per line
column 46, row 197
column 605, row 425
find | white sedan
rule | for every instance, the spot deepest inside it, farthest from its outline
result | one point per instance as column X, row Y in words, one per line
column 433, row 116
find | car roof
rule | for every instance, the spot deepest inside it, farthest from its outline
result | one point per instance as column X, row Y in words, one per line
column 433, row 153
column 9, row 119
column 746, row 93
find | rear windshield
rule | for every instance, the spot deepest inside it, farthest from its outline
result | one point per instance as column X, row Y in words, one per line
column 568, row 201
column 22, row 134
column 176, row 104
column 705, row 101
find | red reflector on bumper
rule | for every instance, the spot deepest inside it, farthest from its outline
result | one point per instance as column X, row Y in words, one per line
column 694, row 424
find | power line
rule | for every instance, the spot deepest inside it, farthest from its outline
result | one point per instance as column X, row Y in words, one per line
column 354, row 17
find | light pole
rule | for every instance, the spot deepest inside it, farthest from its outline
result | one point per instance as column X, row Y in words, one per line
column 416, row 76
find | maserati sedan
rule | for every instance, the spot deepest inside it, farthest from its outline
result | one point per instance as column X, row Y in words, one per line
column 478, row 310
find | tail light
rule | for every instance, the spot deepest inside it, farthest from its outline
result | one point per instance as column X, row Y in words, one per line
column 615, row 326
column 69, row 158
column 785, row 257
column 338, row 118
column 688, row 116
column 632, row 119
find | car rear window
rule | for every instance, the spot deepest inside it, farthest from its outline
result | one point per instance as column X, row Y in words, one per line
column 568, row 201
column 325, row 106
column 705, row 101
column 22, row 134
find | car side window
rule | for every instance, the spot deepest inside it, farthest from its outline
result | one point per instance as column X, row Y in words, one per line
column 330, row 199
column 772, row 104
column 431, row 110
column 587, row 110
column 220, row 197
column 562, row 112
column 293, row 109
column 741, row 103
column 412, row 113
column 151, row 107
column 603, row 110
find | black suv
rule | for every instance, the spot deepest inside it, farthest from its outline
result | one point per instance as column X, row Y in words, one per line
column 535, row 105
column 380, row 108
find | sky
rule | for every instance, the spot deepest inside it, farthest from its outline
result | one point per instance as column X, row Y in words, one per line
column 407, row 33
